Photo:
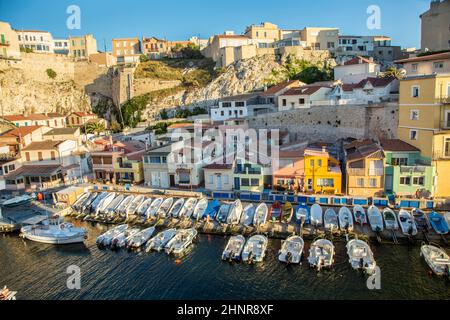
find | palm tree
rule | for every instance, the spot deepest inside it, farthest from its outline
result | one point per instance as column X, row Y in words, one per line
column 95, row 127
column 393, row 72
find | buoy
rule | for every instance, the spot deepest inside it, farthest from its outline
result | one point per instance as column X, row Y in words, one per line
column 178, row 261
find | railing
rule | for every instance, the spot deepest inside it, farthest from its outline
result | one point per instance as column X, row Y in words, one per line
column 412, row 169
column 376, row 172
column 126, row 166
column 4, row 43
column 248, row 171
column 356, row 172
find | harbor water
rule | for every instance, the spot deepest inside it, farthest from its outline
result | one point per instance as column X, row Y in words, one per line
column 39, row 271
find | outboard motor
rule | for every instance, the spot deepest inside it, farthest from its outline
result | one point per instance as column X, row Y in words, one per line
column 289, row 257
column 230, row 257
column 250, row 257
column 361, row 263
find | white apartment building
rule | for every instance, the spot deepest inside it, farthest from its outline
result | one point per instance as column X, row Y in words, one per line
column 38, row 41
column 61, row 46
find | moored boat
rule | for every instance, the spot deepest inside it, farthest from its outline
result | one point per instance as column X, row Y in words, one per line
column 406, row 222
column 154, row 207
column 79, row 203
column 224, row 210
column 181, row 241
column 134, row 205
column 158, row 242
column 361, row 256
column 234, row 248
column 123, row 206
column 248, row 214
column 421, row 220
column 211, row 210
column 121, row 240
column 291, row 250
column 437, row 259
column 234, row 216
column 302, row 214
column 140, row 238
column 164, row 209
column 6, row 294
column 321, row 254
column 188, row 209
column 200, row 208
column 375, row 219
column 275, row 211
column 390, row 219
column 331, row 220
column 360, row 214
column 112, row 205
column 261, row 213
column 105, row 239
column 345, row 219
column 316, row 215
column 103, row 200
column 17, row 201
column 142, row 209
column 85, row 207
column 287, row 212
column 255, row 249
column 175, row 210
column 438, row 223
column 447, row 218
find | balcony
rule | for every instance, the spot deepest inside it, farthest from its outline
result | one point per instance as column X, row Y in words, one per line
column 376, row 172
column 4, row 43
column 361, row 172
column 413, row 169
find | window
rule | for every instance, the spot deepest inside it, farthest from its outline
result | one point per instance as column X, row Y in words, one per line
column 240, row 104
column 319, row 163
column 399, row 161
column 406, row 181
column 211, row 179
column 360, row 182
column 284, row 102
column 325, row 183
column 40, row 156
column 415, row 91
column 254, row 182
column 414, row 115
column 413, row 134
column 419, row 181
column 447, row 147
column 311, row 163
column 155, row 160
column 245, row 182
column 226, row 179
column 447, row 119
column 438, row 65
column 164, row 159
column 330, row 45
column 373, row 183
column 301, row 101
column 222, row 113
column 226, row 104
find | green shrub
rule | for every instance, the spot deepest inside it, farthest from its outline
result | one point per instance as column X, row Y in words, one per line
column 51, row 73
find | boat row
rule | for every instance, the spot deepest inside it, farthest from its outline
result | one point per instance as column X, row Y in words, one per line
column 172, row 241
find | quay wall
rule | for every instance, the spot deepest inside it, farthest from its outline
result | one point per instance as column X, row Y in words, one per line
column 332, row 123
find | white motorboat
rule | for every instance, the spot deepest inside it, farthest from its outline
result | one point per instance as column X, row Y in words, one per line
column 79, row 202
column 261, row 212
column 142, row 209
column 234, row 248
column 321, row 254
column 255, row 249
column 224, row 210
column 375, row 219
column 110, row 208
column 188, row 209
column 345, row 219
column 330, row 220
column 134, row 205
column 390, row 219
column 7, row 295
column 248, row 215
column 437, row 259
column 160, row 240
column 291, row 250
column 360, row 214
column 17, row 201
column 361, row 256
column 154, row 207
column 200, row 209
column 447, row 218
column 140, row 238
column 121, row 240
column 164, row 209
column 234, row 216
column 123, row 206
column 106, row 238
column 177, row 206
column 98, row 201
column 104, row 203
column 54, row 231
column 316, row 215
column 181, row 241
column 88, row 202
column 407, row 223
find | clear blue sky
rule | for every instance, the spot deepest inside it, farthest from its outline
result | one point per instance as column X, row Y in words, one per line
column 180, row 19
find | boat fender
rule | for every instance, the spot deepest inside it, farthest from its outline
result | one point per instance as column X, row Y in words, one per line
column 62, row 226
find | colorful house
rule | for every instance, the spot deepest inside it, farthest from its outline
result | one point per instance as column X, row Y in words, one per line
column 364, row 168
column 407, row 173
column 288, row 169
column 219, row 176
column 129, row 168
column 322, row 172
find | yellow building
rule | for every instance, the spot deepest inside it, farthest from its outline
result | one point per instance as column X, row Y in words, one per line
column 264, row 33
column 9, row 43
column 80, row 48
column 126, row 50
column 320, row 38
column 322, row 172
column 364, row 168
column 424, row 121
column 129, row 168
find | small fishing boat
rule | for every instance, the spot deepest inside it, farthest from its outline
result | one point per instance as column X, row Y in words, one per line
column 7, row 295
column 78, row 204
column 437, row 259
column 261, row 213
column 234, row 217
column 113, row 204
column 275, row 211
column 88, row 202
column 291, row 250
column 188, row 209
column 54, row 231
column 330, row 220
column 121, row 240
column 140, row 238
column 438, row 223
column 360, row 214
column 316, row 215
column 234, row 248
column 154, row 207
column 248, row 214
column 361, row 256
column 287, row 212
column 106, row 238
column 17, row 201
column 159, row 242
column 142, row 209
column 406, row 222
column 104, row 199
column 321, row 254
column 164, row 209
column 390, row 219
column 123, row 206
column 134, row 205
column 255, row 249
column 224, row 210
column 375, row 219
column 302, row 214
column 200, row 209
column 345, row 219
column 181, row 241
column 421, row 220
column 211, row 210
column 447, row 218
column 175, row 210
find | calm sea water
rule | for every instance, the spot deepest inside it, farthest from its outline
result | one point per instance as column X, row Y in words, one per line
column 38, row 271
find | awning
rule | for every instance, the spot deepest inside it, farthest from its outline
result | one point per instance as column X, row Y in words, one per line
column 34, row 171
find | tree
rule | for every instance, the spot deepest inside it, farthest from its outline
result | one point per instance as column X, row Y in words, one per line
column 96, row 127
column 144, row 58
column 393, row 72
column 116, row 127
column 51, row 73
column 164, row 115
column 191, row 51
